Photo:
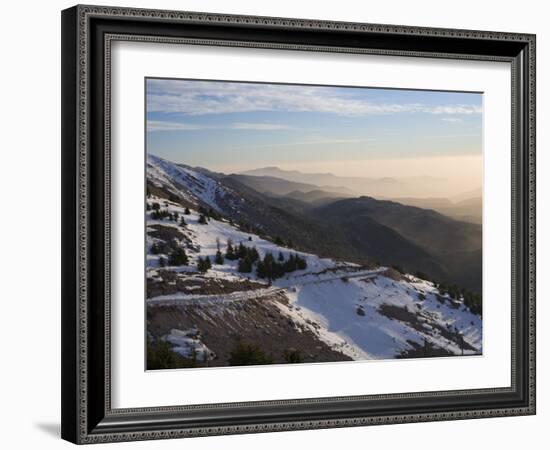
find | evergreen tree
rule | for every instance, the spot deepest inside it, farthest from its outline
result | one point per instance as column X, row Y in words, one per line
column 202, row 265
column 155, row 206
column 182, row 221
column 241, row 251
column 253, row 254
column 281, row 256
column 203, row 220
column 155, row 249
column 213, row 214
column 162, row 261
column 290, row 264
column 219, row 258
column 301, row 263
column 279, row 241
column 178, row 257
column 245, row 265
column 187, row 212
column 261, row 269
column 230, row 252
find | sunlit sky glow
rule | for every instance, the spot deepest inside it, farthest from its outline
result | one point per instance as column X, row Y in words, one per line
column 231, row 126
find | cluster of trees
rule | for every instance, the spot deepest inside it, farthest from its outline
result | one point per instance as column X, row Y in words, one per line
column 177, row 257
column 268, row 267
column 471, row 300
column 246, row 227
column 209, row 213
column 161, row 214
column 246, row 354
column 271, row 269
column 247, row 257
column 279, row 241
column 161, row 356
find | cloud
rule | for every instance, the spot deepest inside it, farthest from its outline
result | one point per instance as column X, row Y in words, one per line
column 197, row 98
column 259, row 126
column 160, row 125
column 452, row 119
column 320, row 141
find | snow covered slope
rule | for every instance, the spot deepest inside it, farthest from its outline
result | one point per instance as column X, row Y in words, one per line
column 192, row 185
column 361, row 313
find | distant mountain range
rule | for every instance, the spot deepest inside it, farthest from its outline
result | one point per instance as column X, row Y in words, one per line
column 332, row 224
column 278, row 186
column 420, row 186
column 468, row 209
column 270, row 180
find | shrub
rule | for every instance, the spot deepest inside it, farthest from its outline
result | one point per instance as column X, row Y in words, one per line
column 292, row 356
column 161, row 356
column 204, row 264
column 248, row 354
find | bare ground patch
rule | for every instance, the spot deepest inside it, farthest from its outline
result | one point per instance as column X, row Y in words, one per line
column 258, row 322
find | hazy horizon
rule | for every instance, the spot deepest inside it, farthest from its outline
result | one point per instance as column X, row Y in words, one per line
column 231, row 127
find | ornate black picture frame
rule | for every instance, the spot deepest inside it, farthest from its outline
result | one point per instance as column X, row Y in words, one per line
column 87, row 34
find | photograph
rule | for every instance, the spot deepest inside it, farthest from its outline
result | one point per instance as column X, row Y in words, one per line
column 272, row 222
column 291, row 223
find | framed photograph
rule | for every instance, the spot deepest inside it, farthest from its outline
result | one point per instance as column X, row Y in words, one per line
column 280, row 224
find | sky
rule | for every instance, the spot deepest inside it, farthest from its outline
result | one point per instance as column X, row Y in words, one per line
column 349, row 131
